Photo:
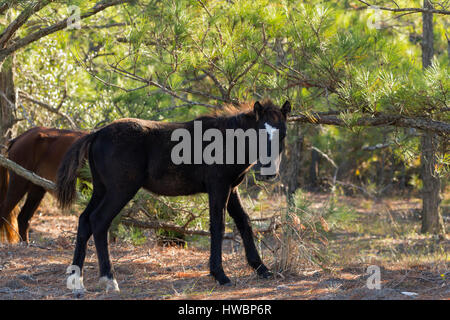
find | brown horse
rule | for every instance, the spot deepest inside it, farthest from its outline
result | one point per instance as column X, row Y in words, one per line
column 39, row 150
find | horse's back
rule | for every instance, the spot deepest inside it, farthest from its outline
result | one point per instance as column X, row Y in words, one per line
column 41, row 149
column 129, row 150
column 141, row 150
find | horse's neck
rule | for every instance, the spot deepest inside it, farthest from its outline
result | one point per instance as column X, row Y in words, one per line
column 241, row 121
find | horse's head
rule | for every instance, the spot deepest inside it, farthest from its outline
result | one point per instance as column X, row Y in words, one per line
column 271, row 123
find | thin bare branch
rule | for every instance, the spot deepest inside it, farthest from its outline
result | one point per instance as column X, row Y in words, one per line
column 48, row 107
column 22, row 42
column 27, row 174
column 250, row 66
column 21, row 19
column 160, row 86
column 417, row 10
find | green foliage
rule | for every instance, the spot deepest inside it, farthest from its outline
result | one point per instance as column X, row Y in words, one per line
column 322, row 55
column 133, row 235
column 84, row 185
column 338, row 214
column 303, row 236
column 175, row 60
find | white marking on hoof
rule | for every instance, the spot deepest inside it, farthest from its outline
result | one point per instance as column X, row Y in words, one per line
column 109, row 284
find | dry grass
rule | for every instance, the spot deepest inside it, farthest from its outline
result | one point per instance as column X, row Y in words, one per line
column 408, row 261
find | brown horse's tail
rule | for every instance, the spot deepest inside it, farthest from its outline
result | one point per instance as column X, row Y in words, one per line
column 66, row 189
column 8, row 224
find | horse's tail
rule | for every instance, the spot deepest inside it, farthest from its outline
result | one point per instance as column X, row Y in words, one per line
column 67, row 172
column 8, row 223
column 4, row 178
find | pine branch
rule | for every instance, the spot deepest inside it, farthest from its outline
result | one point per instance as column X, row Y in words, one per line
column 411, row 10
column 23, row 42
column 379, row 119
column 3, row 7
column 166, row 226
column 29, row 175
column 23, row 17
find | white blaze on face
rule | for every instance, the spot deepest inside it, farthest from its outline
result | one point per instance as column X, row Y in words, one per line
column 270, row 130
column 273, row 159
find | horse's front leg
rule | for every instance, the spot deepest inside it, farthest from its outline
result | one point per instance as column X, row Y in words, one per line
column 240, row 217
column 218, row 198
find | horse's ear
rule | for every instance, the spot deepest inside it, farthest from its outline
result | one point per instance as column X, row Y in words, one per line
column 286, row 108
column 258, row 109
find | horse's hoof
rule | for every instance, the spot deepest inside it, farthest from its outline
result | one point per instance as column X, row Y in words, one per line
column 224, row 281
column 265, row 274
column 74, row 281
column 109, row 284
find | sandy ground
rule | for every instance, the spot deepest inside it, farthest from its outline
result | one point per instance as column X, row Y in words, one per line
column 150, row 271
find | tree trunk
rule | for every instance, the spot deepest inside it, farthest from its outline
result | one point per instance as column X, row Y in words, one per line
column 291, row 165
column 427, row 36
column 314, row 170
column 432, row 221
column 8, row 231
column 7, row 99
column 448, row 46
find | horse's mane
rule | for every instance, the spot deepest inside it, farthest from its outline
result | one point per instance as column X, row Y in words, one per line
column 230, row 110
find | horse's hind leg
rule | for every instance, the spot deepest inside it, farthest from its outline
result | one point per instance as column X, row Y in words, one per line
column 84, row 231
column 240, row 217
column 17, row 188
column 100, row 221
column 34, row 197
